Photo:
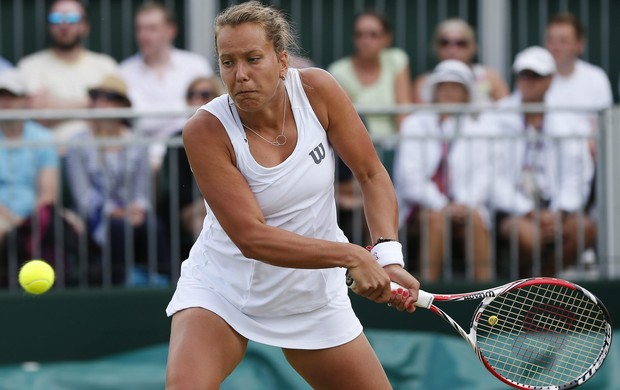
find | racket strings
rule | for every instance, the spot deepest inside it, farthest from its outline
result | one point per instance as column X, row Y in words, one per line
column 541, row 334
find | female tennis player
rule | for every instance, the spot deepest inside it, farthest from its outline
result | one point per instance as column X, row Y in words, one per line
column 269, row 264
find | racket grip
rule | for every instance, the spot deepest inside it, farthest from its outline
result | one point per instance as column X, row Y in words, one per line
column 424, row 299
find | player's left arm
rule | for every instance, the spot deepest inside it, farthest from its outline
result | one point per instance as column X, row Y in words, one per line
column 350, row 139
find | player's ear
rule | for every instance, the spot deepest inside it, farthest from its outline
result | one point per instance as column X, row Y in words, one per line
column 283, row 61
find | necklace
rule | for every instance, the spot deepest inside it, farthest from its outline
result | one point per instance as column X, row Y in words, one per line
column 280, row 139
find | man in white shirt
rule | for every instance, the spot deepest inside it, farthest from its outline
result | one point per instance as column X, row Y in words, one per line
column 576, row 83
column 159, row 74
column 60, row 76
column 542, row 172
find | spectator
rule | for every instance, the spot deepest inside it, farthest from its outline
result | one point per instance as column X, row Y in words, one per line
column 110, row 187
column 543, row 177
column 442, row 183
column 455, row 39
column 60, row 76
column 28, row 184
column 190, row 208
column 576, row 83
column 159, row 74
column 376, row 74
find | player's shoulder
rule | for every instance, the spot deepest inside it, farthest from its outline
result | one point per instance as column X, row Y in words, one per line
column 202, row 127
column 317, row 81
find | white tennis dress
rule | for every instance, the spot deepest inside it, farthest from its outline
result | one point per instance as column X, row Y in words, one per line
column 283, row 307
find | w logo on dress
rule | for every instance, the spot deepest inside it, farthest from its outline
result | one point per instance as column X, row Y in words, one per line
column 318, row 153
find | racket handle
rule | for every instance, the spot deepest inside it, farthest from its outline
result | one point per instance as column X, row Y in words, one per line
column 424, row 299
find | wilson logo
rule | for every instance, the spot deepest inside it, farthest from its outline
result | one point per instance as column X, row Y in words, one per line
column 486, row 294
column 318, row 153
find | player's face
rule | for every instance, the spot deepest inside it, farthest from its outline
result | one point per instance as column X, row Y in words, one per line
column 67, row 25
column 563, row 44
column 249, row 66
column 370, row 38
column 451, row 92
column 153, row 33
column 455, row 44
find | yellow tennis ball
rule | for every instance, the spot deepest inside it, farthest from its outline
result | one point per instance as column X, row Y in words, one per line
column 36, row 276
column 493, row 320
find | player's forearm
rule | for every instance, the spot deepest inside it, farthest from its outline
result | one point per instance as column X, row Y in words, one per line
column 380, row 206
column 286, row 249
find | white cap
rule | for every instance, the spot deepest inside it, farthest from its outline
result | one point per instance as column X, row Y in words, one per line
column 536, row 59
column 449, row 71
column 11, row 81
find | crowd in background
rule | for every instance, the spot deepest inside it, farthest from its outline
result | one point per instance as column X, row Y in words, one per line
column 454, row 184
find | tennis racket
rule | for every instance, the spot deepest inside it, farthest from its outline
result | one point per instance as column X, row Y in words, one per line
column 536, row 333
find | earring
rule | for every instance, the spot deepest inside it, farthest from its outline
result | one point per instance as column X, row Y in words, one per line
column 282, row 77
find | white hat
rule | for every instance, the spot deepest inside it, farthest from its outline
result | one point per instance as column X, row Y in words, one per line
column 536, row 59
column 449, row 71
column 11, row 81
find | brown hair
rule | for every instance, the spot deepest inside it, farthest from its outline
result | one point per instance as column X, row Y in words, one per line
column 385, row 23
column 570, row 19
column 276, row 26
column 157, row 6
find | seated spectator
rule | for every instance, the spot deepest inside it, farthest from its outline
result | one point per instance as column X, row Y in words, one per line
column 159, row 74
column 455, row 39
column 441, row 177
column 110, row 187
column 180, row 194
column 59, row 77
column 28, row 186
column 543, row 172
column 376, row 74
column 576, row 83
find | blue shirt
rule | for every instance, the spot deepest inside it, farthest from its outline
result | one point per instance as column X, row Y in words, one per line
column 20, row 168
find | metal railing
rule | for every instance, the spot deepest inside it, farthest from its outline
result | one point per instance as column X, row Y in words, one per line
column 78, row 265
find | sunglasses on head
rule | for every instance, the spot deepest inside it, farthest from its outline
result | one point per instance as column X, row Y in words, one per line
column 61, row 17
column 107, row 95
column 461, row 43
column 199, row 94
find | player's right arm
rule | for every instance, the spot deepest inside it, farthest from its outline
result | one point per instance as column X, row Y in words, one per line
column 229, row 196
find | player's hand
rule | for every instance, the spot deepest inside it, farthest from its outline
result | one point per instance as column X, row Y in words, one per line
column 405, row 299
column 371, row 281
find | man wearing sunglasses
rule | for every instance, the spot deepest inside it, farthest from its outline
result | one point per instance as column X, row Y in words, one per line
column 542, row 174
column 61, row 75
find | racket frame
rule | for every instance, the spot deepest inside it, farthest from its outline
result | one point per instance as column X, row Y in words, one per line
column 426, row 300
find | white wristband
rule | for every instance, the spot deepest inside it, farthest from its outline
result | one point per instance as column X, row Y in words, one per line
column 388, row 252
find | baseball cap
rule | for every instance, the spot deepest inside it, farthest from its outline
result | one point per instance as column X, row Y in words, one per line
column 449, row 71
column 10, row 80
column 536, row 59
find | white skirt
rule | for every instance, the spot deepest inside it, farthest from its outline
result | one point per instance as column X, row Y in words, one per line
column 328, row 326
